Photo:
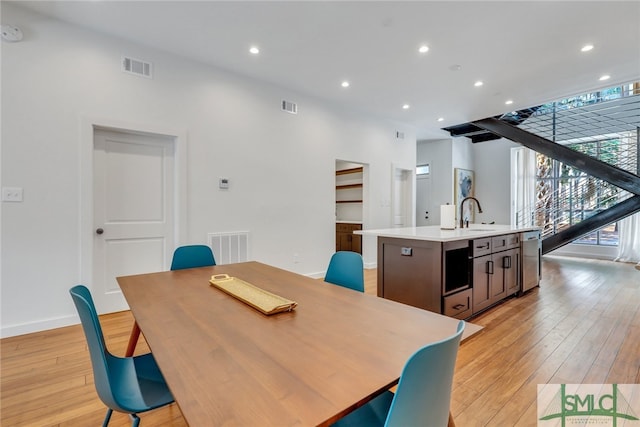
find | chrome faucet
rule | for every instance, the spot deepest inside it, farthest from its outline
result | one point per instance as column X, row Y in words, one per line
column 462, row 209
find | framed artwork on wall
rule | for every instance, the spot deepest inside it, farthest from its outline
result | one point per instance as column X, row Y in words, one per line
column 464, row 186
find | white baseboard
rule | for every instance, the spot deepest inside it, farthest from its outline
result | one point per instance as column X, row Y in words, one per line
column 587, row 251
column 38, row 326
column 318, row 275
column 59, row 322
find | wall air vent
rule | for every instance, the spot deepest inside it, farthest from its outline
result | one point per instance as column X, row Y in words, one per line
column 137, row 67
column 229, row 247
column 289, row 107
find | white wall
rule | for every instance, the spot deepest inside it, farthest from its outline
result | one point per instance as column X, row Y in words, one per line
column 462, row 154
column 491, row 163
column 444, row 156
column 439, row 155
column 493, row 179
column 281, row 166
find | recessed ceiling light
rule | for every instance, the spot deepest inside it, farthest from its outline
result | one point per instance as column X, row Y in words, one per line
column 406, row 106
column 605, row 77
column 254, row 50
column 478, row 83
column 344, row 84
column 441, row 119
column 423, row 49
column 508, row 102
column 586, row 48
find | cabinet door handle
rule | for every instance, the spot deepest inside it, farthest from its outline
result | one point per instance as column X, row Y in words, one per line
column 483, row 246
column 506, row 261
column 489, row 267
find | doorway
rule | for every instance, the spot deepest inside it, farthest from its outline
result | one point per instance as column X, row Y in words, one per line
column 424, row 208
column 402, row 206
column 350, row 181
column 133, row 209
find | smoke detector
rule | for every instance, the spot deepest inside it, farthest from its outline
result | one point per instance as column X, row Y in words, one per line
column 11, row 33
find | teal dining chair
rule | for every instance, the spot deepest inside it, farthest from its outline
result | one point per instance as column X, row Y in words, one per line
column 346, row 269
column 125, row 384
column 423, row 396
column 190, row 256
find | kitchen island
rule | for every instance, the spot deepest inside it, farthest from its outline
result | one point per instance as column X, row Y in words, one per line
column 458, row 272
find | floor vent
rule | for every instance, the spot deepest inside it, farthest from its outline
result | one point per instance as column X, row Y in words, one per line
column 137, row 67
column 289, row 107
column 230, row 247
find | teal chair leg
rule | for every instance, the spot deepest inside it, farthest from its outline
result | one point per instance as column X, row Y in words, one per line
column 107, row 417
column 135, row 420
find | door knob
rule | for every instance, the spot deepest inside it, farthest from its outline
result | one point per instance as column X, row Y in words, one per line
column 99, row 231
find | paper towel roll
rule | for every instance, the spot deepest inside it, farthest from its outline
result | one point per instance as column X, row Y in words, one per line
column 447, row 217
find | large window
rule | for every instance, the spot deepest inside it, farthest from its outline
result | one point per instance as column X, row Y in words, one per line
column 555, row 196
column 578, row 101
column 565, row 195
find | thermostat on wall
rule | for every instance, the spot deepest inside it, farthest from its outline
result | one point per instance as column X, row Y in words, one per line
column 223, row 183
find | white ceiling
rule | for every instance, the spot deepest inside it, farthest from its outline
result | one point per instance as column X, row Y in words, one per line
column 527, row 51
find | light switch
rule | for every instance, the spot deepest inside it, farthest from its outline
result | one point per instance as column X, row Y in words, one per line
column 11, row 194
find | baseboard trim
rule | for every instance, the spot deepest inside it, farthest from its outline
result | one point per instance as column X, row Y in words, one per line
column 608, row 253
column 38, row 326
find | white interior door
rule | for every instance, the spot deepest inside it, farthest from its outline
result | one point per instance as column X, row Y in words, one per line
column 133, row 210
column 424, row 205
column 402, row 198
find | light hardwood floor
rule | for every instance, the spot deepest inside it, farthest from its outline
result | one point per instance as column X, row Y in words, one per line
column 581, row 326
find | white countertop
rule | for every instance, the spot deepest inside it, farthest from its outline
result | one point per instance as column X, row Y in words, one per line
column 435, row 234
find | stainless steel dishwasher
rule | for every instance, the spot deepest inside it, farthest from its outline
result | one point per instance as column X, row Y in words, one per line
column 531, row 249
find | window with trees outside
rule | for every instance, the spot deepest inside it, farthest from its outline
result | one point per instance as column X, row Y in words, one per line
column 565, row 195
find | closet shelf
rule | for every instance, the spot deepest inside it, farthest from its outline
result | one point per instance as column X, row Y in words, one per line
column 348, row 171
column 347, row 186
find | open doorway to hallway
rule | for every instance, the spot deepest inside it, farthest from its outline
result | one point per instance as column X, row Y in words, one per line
column 402, row 197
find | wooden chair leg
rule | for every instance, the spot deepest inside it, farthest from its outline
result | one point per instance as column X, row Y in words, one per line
column 451, row 422
column 133, row 340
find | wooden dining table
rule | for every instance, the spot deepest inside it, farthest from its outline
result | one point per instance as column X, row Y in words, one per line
column 229, row 364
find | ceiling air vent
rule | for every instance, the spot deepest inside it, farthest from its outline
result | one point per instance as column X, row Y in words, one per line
column 289, row 107
column 136, row 66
